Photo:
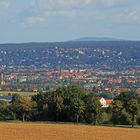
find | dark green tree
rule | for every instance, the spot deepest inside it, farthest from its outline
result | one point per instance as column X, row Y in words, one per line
column 133, row 109
column 93, row 109
column 117, row 107
column 73, row 105
column 126, row 96
column 57, row 106
column 42, row 100
column 125, row 106
column 4, row 112
column 77, row 108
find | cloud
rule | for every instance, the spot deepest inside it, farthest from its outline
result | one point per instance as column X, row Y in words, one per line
column 110, row 3
column 36, row 12
column 51, row 8
column 29, row 21
column 62, row 4
column 114, row 3
column 100, row 10
column 128, row 17
column 88, row 2
column 4, row 5
column 73, row 2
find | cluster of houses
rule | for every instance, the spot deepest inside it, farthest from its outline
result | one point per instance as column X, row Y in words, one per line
column 102, row 81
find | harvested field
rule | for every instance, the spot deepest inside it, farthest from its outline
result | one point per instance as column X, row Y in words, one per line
column 31, row 131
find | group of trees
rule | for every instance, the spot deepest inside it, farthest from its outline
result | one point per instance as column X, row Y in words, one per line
column 72, row 104
column 126, row 108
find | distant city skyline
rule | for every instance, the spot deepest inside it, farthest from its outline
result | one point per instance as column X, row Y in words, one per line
column 62, row 20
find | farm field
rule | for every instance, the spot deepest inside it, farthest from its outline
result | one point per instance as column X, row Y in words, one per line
column 34, row 131
column 16, row 92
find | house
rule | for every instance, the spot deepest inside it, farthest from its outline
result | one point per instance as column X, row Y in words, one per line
column 105, row 102
column 35, row 90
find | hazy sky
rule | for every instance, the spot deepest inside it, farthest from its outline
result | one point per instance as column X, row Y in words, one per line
column 57, row 20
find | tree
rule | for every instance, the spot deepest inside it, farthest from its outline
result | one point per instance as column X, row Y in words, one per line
column 125, row 106
column 126, row 96
column 43, row 101
column 57, row 104
column 133, row 108
column 117, row 107
column 93, row 109
column 70, row 102
column 4, row 110
column 77, row 108
column 21, row 106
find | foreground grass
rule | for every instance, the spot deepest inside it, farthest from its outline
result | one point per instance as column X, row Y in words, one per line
column 36, row 131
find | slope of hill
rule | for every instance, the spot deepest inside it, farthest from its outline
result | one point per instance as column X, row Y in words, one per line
column 97, row 39
column 85, row 54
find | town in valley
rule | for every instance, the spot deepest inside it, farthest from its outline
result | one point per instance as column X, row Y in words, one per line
column 98, row 67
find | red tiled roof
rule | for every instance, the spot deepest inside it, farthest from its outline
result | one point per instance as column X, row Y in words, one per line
column 109, row 102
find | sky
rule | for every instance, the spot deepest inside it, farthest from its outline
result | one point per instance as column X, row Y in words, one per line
column 61, row 20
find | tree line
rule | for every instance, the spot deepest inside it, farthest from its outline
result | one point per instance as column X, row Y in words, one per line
column 72, row 104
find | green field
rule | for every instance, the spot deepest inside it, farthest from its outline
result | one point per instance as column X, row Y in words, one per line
column 16, row 92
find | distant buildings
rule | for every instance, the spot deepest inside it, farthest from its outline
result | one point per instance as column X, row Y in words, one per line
column 93, row 80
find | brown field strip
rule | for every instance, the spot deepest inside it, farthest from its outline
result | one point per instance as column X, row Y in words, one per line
column 31, row 131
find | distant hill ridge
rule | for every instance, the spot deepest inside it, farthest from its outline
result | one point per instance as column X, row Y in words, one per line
column 97, row 39
column 98, row 43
